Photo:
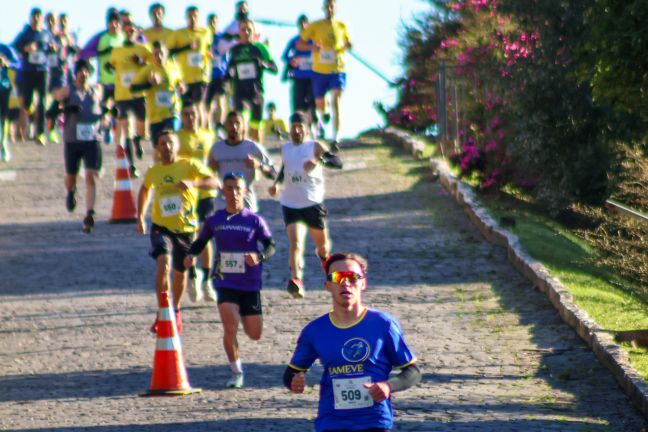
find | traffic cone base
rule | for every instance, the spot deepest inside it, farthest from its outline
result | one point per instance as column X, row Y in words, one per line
column 169, row 376
column 123, row 210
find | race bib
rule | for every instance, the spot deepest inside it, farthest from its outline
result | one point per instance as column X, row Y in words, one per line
column 246, row 71
column 195, row 59
column 349, row 393
column 37, row 57
column 53, row 60
column 305, row 63
column 232, row 262
column 164, row 99
column 127, row 79
column 170, row 206
column 327, row 56
column 86, row 132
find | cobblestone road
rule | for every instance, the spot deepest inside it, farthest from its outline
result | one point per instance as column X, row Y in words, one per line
column 75, row 349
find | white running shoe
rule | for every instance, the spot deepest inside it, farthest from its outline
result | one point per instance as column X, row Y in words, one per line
column 195, row 287
column 236, row 381
column 208, row 290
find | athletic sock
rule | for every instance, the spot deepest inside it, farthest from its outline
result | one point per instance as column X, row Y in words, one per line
column 236, row 366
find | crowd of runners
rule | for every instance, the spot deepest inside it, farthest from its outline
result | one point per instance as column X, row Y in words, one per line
column 197, row 94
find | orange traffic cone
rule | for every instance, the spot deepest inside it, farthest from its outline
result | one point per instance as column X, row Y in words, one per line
column 169, row 373
column 123, row 210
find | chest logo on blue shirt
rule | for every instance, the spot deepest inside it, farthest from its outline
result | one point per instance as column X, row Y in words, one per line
column 356, row 350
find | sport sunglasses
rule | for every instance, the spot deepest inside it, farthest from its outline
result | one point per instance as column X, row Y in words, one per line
column 339, row 277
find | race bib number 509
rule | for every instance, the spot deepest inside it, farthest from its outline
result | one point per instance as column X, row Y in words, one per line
column 349, row 393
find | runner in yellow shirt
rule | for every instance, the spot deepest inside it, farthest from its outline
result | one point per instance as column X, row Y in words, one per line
column 160, row 81
column 127, row 62
column 174, row 222
column 157, row 32
column 330, row 40
column 191, row 48
column 195, row 144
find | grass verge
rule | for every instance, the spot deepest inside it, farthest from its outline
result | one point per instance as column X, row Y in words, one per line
column 596, row 290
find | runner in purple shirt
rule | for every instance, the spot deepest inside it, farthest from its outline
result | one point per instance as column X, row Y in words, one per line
column 237, row 232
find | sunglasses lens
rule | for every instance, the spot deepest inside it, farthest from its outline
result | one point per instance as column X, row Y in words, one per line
column 340, row 277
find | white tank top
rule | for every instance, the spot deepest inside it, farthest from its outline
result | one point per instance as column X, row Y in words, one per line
column 301, row 189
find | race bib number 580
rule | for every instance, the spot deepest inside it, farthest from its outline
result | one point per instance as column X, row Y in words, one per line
column 170, row 206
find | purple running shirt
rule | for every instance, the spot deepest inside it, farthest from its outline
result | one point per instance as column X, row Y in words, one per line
column 234, row 235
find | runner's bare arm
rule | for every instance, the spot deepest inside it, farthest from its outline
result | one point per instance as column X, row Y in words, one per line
column 143, row 199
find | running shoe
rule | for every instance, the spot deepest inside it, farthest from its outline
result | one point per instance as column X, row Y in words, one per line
column 154, row 327
column 236, row 381
column 54, row 137
column 335, row 146
column 195, row 287
column 208, row 290
column 5, row 154
column 134, row 172
column 296, row 289
column 88, row 222
column 41, row 139
column 70, row 200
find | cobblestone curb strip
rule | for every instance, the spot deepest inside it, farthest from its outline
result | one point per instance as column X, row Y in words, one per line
column 602, row 343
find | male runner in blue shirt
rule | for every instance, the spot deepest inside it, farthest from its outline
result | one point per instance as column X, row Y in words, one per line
column 358, row 347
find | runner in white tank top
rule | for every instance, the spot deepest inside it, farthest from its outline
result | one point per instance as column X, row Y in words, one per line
column 302, row 197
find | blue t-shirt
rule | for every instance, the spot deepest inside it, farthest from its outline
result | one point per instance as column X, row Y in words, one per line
column 365, row 352
column 219, row 60
column 304, row 59
column 235, row 235
column 36, row 60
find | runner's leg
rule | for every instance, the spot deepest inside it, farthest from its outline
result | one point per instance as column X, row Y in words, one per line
column 230, row 316
column 296, row 238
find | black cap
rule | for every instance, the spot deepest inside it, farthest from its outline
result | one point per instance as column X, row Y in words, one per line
column 298, row 117
column 82, row 64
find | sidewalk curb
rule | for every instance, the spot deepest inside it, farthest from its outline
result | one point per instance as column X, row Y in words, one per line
column 609, row 353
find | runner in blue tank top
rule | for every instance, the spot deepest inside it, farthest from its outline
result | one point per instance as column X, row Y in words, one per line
column 358, row 347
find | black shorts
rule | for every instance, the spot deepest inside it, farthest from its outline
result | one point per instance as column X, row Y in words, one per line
column 74, row 152
column 5, row 95
column 165, row 242
column 14, row 114
column 136, row 106
column 314, row 216
column 108, row 94
column 195, row 93
column 156, row 128
column 254, row 99
column 249, row 302
column 216, row 88
column 303, row 99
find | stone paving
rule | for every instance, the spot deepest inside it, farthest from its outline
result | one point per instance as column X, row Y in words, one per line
column 75, row 351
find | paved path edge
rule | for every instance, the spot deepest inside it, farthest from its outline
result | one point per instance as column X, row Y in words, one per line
column 609, row 353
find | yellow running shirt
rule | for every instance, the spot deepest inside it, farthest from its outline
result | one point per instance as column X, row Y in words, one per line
column 162, row 102
column 126, row 69
column 196, row 146
column 174, row 208
column 14, row 96
column 157, row 35
column 194, row 64
column 332, row 37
